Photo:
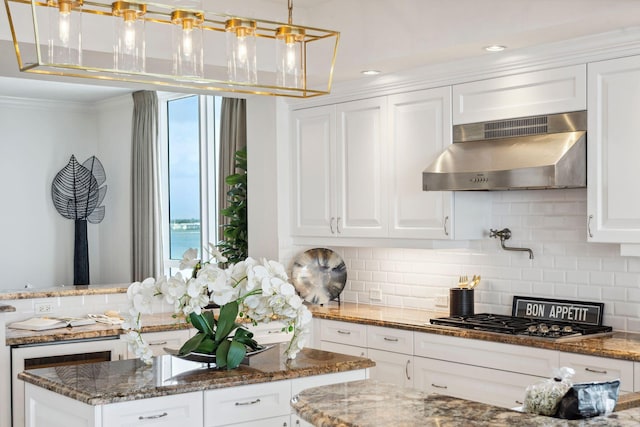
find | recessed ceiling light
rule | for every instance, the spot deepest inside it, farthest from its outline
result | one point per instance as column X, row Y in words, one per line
column 495, row 48
column 370, row 72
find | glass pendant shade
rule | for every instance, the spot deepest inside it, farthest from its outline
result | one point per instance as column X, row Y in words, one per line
column 241, row 51
column 129, row 43
column 290, row 61
column 187, row 49
column 65, row 25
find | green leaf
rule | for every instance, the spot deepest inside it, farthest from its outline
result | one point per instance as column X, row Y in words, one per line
column 191, row 344
column 200, row 323
column 236, row 353
column 226, row 320
column 207, row 346
column 208, row 316
column 245, row 337
column 221, row 353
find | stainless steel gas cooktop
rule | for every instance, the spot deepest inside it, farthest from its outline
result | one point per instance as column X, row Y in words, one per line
column 538, row 317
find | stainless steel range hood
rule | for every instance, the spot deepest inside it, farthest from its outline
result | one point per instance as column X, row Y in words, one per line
column 525, row 153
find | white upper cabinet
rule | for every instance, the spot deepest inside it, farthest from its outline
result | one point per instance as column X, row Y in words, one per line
column 357, row 169
column 361, row 160
column 339, row 157
column 313, row 167
column 613, row 152
column 558, row 90
column 420, row 129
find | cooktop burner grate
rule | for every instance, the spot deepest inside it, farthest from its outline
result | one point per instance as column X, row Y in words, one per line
column 521, row 326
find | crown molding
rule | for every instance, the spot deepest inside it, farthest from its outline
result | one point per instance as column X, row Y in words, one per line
column 582, row 50
column 44, row 104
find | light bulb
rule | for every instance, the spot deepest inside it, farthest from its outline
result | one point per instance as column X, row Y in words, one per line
column 64, row 26
column 187, row 42
column 241, row 49
column 129, row 31
column 291, row 57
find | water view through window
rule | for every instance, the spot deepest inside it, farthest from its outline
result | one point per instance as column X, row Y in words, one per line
column 184, row 175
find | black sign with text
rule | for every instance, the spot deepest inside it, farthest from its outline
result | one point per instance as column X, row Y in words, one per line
column 587, row 313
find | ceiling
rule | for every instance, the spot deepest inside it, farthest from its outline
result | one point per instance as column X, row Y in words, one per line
column 386, row 35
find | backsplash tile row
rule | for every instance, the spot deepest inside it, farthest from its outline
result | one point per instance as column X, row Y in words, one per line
column 550, row 222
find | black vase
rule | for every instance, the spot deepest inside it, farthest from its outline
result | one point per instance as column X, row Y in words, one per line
column 81, row 254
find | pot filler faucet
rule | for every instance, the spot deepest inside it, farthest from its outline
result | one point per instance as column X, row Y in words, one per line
column 505, row 234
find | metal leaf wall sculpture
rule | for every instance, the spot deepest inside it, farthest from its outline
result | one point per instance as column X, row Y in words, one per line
column 78, row 192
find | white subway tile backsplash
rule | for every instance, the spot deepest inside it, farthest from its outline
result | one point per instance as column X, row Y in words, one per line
column 565, row 265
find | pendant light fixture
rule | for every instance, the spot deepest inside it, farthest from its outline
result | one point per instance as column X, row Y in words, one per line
column 290, row 60
column 172, row 44
column 241, row 50
column 129, row 43
column 187, row 43
column 65, row 24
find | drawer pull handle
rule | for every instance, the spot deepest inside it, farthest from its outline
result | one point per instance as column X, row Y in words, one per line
column 595, row 371
column 344, row 332
column 253, row 402
column 519, row 403
column 153, row 417
column 439, row 386
column 406, row 369
column 391, row 339
column 331, row 225
column 158, row 343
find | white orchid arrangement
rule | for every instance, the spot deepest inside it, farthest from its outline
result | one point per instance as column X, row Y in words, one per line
column 257, row 292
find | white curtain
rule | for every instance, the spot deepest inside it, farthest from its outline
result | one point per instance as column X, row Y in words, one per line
column 145, row 176
column 233, row 137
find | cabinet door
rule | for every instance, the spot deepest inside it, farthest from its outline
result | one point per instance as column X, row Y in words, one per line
column 529, row 94
column 613, row 151
column 361, row 170
column 394, row 368
column 420, row 129
column 313, row 136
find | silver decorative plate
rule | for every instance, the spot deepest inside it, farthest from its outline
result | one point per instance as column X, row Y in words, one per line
column 211, row 358
column 319, row 275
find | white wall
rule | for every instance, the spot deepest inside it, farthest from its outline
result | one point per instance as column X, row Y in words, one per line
column 38, row 138
column 566, row 266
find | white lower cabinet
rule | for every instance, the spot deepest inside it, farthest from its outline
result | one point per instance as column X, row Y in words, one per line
column 351, row 350
column 255, row 405
column 395, row 368
column 246, row 403
column 166, row 411
column 159, row 340
column 593, row 368
column 492, row 386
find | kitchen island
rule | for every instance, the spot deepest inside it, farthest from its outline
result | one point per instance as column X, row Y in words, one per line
column 370, row 403
column 181, row 392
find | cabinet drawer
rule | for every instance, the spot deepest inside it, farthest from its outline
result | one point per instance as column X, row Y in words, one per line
column 505, row 357
column 299, row 384
column 246, row 403
column 166, row 411
column 389, row 339
column 592, row 368
column 269, row 333
column 343, row 332
column 159, row 340
column 491, row 386
column 282, row 421
column 343, row 349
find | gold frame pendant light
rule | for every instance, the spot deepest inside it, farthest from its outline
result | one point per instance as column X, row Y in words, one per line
column 208, row 52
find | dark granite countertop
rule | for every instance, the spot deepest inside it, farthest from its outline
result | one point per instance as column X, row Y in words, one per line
column 63, row 291
column 4, row 308
column 370, row 403
column 620, row 345
column 125, row 380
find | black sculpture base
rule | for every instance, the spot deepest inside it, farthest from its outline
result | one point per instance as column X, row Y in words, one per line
column 81, row 254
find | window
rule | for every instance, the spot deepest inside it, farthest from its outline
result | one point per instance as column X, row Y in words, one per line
column 189, row 150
